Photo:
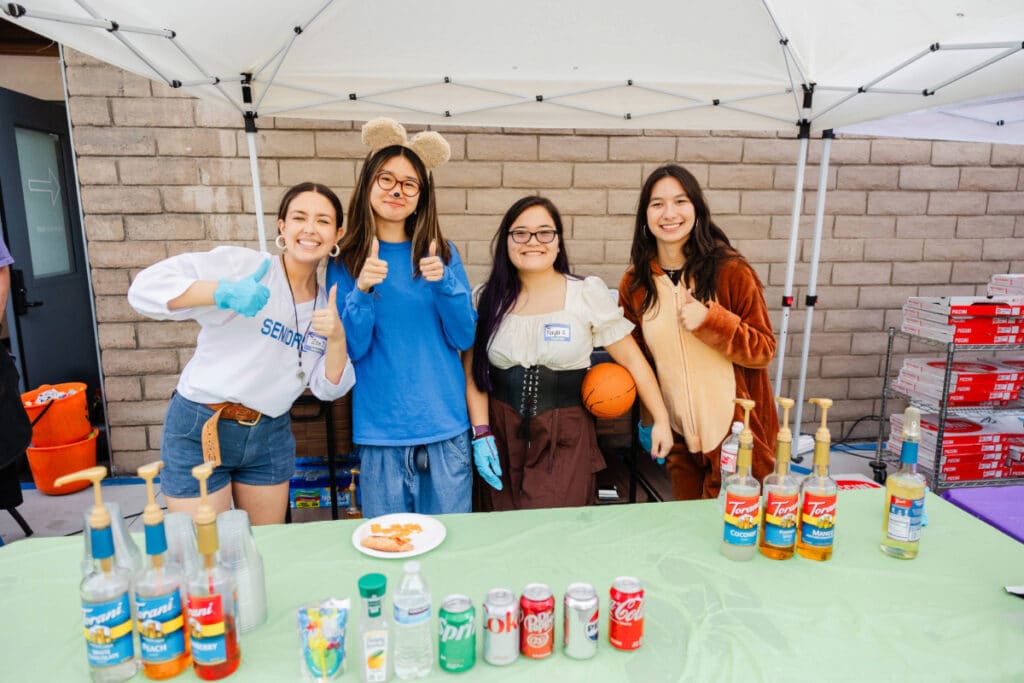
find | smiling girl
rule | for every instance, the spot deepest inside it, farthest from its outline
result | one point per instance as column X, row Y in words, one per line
column 701, row 318
column 267, row 331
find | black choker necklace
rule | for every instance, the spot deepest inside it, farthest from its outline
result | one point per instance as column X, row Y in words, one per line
column 674, row 274
column 301, row 374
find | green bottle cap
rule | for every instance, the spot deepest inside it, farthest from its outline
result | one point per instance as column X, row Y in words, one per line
column 372, row 585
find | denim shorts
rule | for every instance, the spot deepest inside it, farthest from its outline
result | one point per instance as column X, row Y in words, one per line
column 261, row 455
column 391, row 482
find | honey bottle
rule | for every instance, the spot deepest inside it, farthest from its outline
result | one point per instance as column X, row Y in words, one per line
column 818, row 497
column 781, row 496
column 212, row 609
column 159, row 590
column 742, row 497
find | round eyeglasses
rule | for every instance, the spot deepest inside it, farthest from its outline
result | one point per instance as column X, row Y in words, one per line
column 522, row 236
column 387, row 181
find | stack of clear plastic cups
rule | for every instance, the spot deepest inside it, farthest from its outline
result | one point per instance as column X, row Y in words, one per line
column 181, row 541
column 238, row 552
column 126, row 552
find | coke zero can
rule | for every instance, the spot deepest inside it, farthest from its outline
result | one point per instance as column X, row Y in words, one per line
column 501, row 627
column 626, row 613
column 537, row 621
column 579, row 621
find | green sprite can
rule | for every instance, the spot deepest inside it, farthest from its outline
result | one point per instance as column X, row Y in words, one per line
column 456, row 634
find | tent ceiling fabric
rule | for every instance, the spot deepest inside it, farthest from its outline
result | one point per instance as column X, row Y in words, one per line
column 534, row 63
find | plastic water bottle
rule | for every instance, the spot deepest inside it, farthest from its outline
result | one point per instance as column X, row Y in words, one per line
column 727, row 466
column 413, row 653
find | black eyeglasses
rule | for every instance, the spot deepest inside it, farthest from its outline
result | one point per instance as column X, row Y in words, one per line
column 522, row 236
column 387, row 181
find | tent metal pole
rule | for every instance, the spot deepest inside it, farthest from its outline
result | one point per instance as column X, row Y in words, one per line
column 257, row 194
column 812, row 282
column 794, row 235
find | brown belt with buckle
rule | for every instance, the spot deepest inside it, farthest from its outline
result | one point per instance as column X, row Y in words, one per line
column 228, row 411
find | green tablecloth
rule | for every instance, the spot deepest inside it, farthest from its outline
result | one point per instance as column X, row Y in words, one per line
column 860, row 617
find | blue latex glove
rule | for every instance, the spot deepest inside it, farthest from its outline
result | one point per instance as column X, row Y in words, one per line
column 485, row 456
column 644, row 434
column 246, row 296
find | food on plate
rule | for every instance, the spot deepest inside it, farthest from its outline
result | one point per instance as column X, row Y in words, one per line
column 387, row 544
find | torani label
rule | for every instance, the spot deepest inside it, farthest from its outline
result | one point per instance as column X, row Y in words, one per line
column 206, row 628
column 161, row 627
column 780, row 512
column 905, row 519
column 742, row 514
column 818, row 520
column 108, row 632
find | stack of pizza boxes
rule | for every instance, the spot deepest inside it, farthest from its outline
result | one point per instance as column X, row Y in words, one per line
column 1006, row 285
column 977, row 383
column 973, row 449
column 966, row 319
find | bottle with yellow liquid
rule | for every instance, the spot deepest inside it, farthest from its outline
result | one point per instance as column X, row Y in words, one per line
column 105, row 591
column 904, row 495
column 781, row 496
column 159, row 592
column 353, row 511
column 742, row 497
column 818, row 497
column 212, row 607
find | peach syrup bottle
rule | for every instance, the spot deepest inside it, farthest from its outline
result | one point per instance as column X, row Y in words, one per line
column 781, row 496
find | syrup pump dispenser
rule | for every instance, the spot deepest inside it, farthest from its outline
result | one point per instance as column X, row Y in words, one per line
column 106, row 606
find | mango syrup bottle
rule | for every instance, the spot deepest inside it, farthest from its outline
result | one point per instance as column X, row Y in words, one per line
column 159, row 587
column 818, row 497
column 904, row 495
column 105, row 593
column 781, row 496
column 212, row 604
column 742, row 497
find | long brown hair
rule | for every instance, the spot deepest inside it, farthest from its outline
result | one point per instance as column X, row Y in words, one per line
column 421, row 226
column 703, row 252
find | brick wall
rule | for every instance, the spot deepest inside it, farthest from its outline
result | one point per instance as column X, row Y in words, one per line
column 162, row 173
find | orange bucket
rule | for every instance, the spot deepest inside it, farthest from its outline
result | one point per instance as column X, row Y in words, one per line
column 65, row 422
column 52, row 463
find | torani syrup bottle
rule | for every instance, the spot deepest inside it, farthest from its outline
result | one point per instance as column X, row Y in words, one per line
column 105, row 592
column 159, row 596
column 353, row 511
column 818, row 497
column 781, row 496
column 742, row 497
column 212, row 615
column 904, row 495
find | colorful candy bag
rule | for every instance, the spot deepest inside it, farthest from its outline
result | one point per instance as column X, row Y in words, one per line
column 322, row 639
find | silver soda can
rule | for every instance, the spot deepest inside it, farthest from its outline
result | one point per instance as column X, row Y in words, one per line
column 501, row 627
column 580, row 619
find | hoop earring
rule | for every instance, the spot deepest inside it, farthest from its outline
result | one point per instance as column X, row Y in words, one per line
column 280, row 243
column 335, row 250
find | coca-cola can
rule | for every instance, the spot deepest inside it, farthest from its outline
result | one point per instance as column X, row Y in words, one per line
column 626, row 613
column 579, row 621
column 537, row 621
column 501, row 627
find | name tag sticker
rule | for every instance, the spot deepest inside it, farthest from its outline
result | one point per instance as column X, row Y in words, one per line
column 557, row 332
column 314, row 342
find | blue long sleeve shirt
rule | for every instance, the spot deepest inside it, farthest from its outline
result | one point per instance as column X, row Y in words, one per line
column 404, row 338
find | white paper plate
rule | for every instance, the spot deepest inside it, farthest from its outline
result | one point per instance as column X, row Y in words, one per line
column 431, row 534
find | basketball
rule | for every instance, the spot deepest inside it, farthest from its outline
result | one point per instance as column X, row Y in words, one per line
column 608, row 391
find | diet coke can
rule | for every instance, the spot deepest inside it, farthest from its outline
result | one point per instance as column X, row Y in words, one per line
column 501, row 627
column 626, row 613
column 537, row 621
column 579, row 621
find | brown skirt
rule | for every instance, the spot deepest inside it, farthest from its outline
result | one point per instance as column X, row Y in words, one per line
column 553, row 467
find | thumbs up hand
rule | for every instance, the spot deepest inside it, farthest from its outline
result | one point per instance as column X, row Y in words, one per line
column 325, row 321
column 691, row 311
column 431, row 266
column 246, row 296
column 375, row 269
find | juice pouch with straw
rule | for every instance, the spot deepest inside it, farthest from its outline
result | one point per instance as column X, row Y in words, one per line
column 322, row 639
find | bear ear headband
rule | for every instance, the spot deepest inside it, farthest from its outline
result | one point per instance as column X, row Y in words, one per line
column 432, row 149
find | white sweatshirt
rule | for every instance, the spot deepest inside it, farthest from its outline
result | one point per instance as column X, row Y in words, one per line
column 252, row 361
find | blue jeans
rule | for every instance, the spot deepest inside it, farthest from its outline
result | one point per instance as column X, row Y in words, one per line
column 261, row 455
column 391, row 482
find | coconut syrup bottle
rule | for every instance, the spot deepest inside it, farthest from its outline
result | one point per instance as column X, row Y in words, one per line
column 212, row 604
column 105, row 593
column 781, row 496
column 818, row 497
column 159, row 592
column 904, row 495
column 742, row 497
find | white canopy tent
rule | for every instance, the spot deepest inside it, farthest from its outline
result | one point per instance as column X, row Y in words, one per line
column 783, row 65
